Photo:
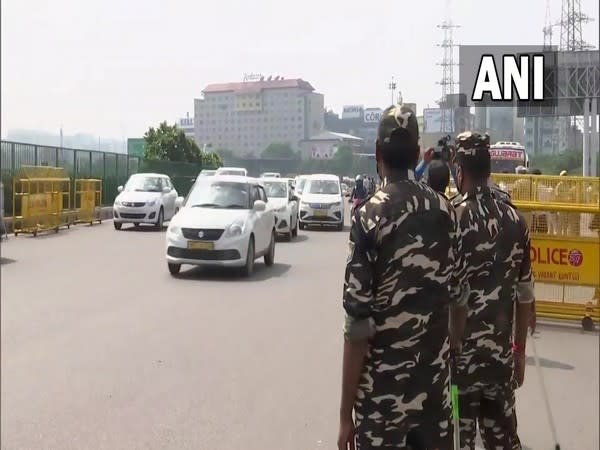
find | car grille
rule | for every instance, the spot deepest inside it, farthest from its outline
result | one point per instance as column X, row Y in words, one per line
column 206, row 255
column 205, row 234
column 132, row 216
column 133, row 204
column 320, row 205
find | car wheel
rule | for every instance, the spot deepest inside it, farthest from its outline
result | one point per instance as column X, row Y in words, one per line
column 117, row 225
column 250, row 254
column 270, row 256
column 161, row 219
column 174, row 268
column 295, row 230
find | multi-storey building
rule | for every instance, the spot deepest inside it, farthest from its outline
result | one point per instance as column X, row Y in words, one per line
column 187, row 125
column 246, row 117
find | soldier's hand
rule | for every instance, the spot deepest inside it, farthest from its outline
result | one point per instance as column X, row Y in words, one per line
column 519, row 367
column 346, row 435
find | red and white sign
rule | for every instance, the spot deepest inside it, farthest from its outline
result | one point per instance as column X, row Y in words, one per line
column 510, row 154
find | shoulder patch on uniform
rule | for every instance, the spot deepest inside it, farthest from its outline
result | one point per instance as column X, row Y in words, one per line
column 456, row 199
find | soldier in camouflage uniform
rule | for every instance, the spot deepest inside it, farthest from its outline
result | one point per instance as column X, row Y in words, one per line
column 402, row 277
column 491, row 362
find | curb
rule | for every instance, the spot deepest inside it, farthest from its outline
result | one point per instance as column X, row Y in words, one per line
column 105, row 213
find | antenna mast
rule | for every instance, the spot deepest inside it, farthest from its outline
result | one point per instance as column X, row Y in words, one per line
column 448, row 65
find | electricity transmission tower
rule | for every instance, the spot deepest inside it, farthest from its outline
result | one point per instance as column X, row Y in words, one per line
column 571, row 23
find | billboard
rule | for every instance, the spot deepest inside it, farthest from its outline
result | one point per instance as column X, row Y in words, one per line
column 432, row 121
column 136, row 146
column 372, row 115
column 352, row 112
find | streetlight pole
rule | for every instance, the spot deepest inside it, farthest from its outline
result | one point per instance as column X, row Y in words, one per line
column 392, row 87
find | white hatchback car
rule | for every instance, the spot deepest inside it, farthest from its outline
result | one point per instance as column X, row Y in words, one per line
column 322, row 202
column 147, row 198
column 224, row 221
column 284, row 203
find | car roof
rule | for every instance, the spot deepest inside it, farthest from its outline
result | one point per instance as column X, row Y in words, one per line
column 158, row 175
column 232, row 168
column 323, row 176
column 278, row 179
column 235, row 179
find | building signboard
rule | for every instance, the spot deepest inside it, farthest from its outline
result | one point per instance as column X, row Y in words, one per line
column 372, row 115
column 352, row 112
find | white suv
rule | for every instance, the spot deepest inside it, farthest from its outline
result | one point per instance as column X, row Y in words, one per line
column 224, row 221
column 147, row 198
column 322, row 202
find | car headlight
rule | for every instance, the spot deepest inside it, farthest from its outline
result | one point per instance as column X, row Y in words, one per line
column 281, row 210
column 235, row 229
column 304, row 204
column 152, row 203
column 117, row 203
column 174, row 229
column 336, row 204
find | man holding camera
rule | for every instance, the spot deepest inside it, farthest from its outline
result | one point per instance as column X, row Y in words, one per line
column 490, row 358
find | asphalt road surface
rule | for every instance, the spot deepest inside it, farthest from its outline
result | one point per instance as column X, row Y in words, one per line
column 102, row 349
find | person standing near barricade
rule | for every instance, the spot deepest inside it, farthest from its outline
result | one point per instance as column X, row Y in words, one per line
column 403, row 274
column 490, row 362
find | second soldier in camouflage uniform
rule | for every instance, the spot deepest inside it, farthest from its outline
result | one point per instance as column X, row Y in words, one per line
column 491, row 362
column 402, row 275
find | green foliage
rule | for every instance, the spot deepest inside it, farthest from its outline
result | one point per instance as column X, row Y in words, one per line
column 226, row 156
column 571, row 161
column 169, row 143
column 211, row 160
column 278, row 150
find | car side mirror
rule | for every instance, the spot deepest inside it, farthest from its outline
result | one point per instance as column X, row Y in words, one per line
column 178, row 202
column 166, row 190
column 120, row 189
column 259, row 206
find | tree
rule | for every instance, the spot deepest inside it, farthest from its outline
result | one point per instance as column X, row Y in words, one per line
column 169, row 143
column 343, row 159
column 211, row 160
column 571, row 161
column 225, row 155
column 277, row 150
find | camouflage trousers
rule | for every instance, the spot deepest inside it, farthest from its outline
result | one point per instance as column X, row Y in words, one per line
column 491, row 408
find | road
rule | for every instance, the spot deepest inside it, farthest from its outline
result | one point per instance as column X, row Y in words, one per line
column 103, row 349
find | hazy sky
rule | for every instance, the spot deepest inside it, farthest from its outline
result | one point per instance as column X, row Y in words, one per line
column 114, row 67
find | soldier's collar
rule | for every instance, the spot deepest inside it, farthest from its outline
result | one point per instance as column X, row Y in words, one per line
column 477, row 191
column 399, row 175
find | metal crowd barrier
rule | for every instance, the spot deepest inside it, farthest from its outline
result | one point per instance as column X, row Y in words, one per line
column 88, row 200
column 41, row 198
column 563, row 213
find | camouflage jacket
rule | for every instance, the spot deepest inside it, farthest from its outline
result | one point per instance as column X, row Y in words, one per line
column 402, row 272
column 495, row 242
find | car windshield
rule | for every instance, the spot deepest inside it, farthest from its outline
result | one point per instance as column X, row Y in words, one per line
column 276, row 189
column 207, row 173
column 505, row 165
column 300, row 184
column 328, row 187
column 144, row 184
column 219, row 194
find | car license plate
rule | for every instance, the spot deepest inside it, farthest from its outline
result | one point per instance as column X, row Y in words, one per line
column 201, row 245
column 320, row 212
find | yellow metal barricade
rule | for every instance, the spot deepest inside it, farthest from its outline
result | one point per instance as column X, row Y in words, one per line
column 88, row 199
column 41, row 199
column 563, row 214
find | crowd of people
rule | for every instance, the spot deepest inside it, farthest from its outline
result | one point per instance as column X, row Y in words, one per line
column 437, row 291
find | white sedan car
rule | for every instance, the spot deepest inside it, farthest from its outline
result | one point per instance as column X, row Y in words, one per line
column 224, row 221
column 285, row 205
column 147, row 198
column 322, row 202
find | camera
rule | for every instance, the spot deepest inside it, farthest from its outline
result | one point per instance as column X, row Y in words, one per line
column 442, row 152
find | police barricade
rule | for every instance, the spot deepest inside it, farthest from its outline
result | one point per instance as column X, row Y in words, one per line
column 563, row 214
column 88, row 199
column 41, row 199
